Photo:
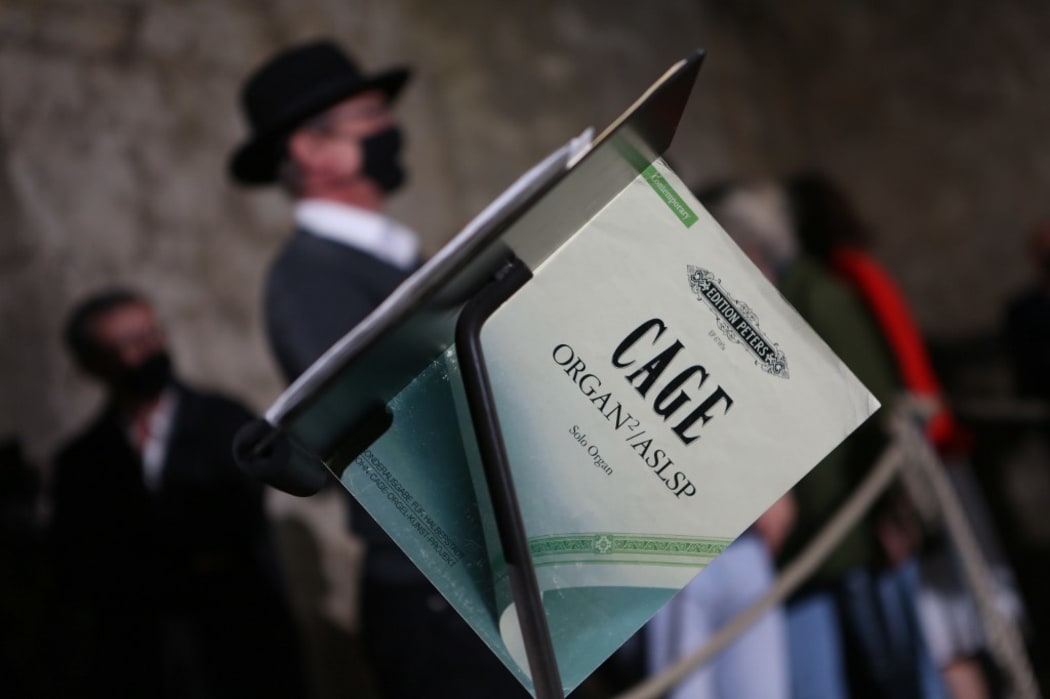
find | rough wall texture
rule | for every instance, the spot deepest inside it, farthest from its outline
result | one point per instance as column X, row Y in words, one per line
column 116, row 118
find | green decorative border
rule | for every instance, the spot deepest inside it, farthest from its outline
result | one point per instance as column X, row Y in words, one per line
column 613, row 548
column 673, row 200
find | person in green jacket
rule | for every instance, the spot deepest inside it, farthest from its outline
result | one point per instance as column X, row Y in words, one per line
column 851, row 627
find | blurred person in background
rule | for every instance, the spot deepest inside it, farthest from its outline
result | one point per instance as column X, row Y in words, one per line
column 852, row 631
column 832, row 232
column 167, row 583
column 730, row 584
column 324, row 130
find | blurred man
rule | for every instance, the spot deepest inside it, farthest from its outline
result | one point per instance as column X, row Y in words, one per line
column 324, row 131
column 168, row 584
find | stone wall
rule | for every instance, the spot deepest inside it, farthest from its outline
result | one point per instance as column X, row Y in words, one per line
column 117, row 116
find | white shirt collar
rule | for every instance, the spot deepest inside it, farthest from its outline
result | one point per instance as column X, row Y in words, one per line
column 376, row 234
column 154, row 448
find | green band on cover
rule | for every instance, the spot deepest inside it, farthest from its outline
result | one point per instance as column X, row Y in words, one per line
column 649, row 550
column 670, row 197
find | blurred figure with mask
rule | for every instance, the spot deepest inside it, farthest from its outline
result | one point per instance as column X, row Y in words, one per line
column 325, row 131
column 167, row 582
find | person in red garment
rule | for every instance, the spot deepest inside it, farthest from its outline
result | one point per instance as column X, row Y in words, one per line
column 831, row 231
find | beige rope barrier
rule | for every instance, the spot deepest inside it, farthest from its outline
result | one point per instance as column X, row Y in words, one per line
column 797, row 572
column 1003, row 637
column 909, row 446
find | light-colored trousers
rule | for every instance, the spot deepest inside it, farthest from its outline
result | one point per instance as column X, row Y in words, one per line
column 755, row 666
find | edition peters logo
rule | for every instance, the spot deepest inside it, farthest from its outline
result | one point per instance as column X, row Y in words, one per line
column 737, row 322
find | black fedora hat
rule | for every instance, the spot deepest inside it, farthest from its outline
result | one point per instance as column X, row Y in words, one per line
column 297, row 84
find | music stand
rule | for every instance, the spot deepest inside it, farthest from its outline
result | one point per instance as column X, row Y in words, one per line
column 338, row 407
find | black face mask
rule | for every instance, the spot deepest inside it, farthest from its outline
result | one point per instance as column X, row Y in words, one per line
column 145, row 380
column 382, row 165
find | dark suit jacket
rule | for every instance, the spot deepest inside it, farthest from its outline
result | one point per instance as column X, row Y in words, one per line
column 187, row 570
column 317, row 290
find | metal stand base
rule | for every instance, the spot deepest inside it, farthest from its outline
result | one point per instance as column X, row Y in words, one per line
column 528, row 602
